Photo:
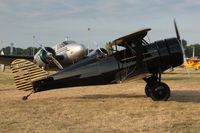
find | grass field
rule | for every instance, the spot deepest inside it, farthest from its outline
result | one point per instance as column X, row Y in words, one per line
column 111, row 108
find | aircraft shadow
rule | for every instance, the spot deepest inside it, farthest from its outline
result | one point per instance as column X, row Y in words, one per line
column 107, row 96
column 185, row 96
column 176, row 95
column 175, row 73
column 175, row 78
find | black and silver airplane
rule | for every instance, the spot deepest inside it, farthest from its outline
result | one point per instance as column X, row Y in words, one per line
column 131, row 56
column 51, row 58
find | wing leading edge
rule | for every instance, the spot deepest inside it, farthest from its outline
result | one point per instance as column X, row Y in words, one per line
column 131, row 37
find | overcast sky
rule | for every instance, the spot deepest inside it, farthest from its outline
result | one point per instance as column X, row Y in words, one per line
column 50, row 21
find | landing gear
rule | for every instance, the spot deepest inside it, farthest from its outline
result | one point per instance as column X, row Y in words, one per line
column 151, row 81
column 157, row 90
column 26, row 97
column 160, row 92
column 147, row 90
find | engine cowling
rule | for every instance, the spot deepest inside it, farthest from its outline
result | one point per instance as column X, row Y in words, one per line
column 42, row 58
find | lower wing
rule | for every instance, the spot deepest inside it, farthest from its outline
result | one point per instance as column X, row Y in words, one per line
column 7, row 59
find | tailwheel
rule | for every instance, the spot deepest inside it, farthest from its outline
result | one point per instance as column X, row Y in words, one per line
column 160, row 92
column 26, row 97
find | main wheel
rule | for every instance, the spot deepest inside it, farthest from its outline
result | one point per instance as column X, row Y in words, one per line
column 160, row 92
column 151, row 81
column 147, row 90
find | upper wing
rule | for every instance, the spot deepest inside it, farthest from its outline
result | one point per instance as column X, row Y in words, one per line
column 133, row 43
column 133, row 37
column 7, row 59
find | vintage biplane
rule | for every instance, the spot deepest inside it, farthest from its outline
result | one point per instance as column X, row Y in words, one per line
column 131, row 57
column 192, row 62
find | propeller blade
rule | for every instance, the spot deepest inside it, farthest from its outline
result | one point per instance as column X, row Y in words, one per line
column 95, row 43
column 43, row 48
column 56, row 62
column 53, row 59
column 176, row 30
column 185, row 63
column 183, row 50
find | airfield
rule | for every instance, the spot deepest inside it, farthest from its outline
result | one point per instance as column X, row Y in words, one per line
column 109, row 108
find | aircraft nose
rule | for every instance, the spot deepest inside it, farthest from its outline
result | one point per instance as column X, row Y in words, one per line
column 77, row 51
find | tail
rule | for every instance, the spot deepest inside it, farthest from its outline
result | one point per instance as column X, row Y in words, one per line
column 25, row 72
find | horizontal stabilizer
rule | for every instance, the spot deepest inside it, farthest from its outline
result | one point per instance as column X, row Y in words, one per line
column 25, row 72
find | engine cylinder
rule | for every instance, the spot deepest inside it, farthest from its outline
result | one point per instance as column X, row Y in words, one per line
column 164, row 53
column 42, row 58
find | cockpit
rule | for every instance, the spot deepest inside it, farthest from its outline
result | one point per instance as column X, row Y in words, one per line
column 98, row 53
column 64, row 43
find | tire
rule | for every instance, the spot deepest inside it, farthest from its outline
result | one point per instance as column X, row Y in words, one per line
column 150, row 82
column 147, row 90
column 160, row 92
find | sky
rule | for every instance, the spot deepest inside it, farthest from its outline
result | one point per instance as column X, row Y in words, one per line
column 51, row 21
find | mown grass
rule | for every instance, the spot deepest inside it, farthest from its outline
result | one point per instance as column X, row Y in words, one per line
column 6, row 78
column 111, row 108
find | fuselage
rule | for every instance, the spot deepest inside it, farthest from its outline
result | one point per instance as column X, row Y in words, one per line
column 71, row 50
column 100, row 68
column 66, row 53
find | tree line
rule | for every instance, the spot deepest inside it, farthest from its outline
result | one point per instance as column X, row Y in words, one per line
column 189, row 49
column 20, row 51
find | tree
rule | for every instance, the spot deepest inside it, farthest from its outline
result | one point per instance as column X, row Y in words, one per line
column 184, row 43
column 20, row 51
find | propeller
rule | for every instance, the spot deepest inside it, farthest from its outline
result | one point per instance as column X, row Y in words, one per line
column 50, row 55
column 183, row 50
column 177, row 32
column 95, row 43
column 102, row 50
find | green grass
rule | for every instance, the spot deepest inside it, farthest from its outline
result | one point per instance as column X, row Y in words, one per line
column 111, row 108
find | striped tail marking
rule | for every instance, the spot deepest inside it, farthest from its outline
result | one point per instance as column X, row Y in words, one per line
column 25, row 72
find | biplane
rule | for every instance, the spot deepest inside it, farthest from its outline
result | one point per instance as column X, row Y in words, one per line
column 192, row 62
column 131, row 56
